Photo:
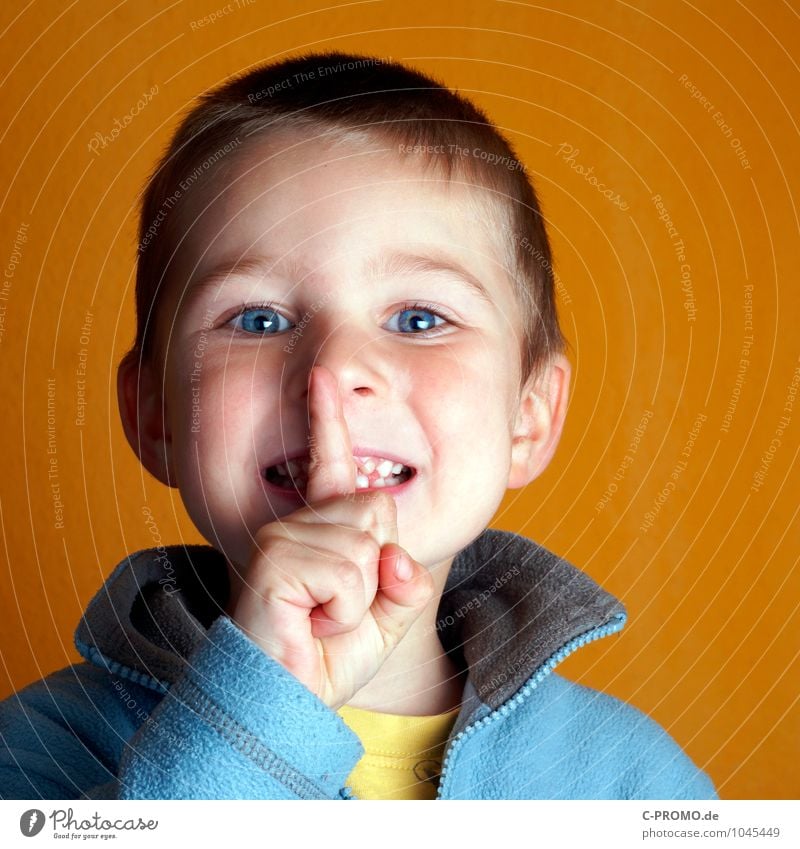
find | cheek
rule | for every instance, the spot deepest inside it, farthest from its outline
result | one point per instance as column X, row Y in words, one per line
column 216, row 413
column 464, row 403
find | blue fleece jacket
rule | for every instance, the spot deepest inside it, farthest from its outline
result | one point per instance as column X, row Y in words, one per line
column 174, row 701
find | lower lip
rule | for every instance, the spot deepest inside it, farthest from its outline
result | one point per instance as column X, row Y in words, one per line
column 296, row 495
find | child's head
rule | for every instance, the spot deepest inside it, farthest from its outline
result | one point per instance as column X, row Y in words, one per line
column 381, row 226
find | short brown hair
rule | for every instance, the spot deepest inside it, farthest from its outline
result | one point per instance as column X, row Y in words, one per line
column 365, row 97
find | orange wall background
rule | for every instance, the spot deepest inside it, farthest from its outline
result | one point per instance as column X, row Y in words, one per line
column 694, row 104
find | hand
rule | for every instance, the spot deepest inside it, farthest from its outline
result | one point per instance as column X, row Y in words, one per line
column 328, row 591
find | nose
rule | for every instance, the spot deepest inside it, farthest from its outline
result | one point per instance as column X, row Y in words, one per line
column 350, row 353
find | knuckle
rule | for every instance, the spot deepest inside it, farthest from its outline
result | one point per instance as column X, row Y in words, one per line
column 262, row 536
column 273, row 552
column 365, row 548
column 348, row 573
column 276, row 548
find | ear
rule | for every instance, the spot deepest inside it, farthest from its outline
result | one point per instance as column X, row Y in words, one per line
column 145, row 417
column 539, row 421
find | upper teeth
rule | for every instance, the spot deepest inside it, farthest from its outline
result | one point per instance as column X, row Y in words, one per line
column 364, row 465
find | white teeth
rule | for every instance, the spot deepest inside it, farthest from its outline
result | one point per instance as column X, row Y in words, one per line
column 297, row 470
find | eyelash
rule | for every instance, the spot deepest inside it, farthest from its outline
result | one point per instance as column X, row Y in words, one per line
column 409, row 305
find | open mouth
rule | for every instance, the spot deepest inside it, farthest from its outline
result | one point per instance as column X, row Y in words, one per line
column 371, row 473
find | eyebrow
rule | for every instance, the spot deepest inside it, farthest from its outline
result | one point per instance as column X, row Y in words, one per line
column 399, row 263
column 392, row 263
column 249, row 265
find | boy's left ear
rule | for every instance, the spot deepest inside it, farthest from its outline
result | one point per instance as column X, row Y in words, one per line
column 539, row 421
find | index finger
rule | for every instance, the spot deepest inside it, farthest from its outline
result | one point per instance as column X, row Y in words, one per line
column 331, row 468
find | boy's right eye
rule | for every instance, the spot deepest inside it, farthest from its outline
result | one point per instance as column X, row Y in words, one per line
column 262, row 319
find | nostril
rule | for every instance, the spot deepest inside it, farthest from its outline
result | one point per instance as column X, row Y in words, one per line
column 362, row 390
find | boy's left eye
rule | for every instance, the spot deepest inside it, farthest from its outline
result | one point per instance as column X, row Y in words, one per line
column 417, row 319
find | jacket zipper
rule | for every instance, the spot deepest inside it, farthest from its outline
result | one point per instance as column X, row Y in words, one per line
column 542, row 672
column 93, row 655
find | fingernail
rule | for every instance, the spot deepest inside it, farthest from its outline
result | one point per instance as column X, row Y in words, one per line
column 402, row 568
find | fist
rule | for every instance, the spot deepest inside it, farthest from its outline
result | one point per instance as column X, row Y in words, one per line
column 328, row 591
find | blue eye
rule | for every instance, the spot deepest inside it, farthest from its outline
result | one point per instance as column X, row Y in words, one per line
column 261, row 319
column 413, row 319
column 418, row 319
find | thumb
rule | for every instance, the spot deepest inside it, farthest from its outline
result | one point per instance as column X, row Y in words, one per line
column 404, row 589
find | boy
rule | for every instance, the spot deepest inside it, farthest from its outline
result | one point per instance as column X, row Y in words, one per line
column 347, row 350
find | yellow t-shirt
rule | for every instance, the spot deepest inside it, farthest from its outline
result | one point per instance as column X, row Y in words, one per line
column 402, row 754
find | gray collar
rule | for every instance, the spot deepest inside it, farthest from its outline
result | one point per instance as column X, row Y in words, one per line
column 509, row 606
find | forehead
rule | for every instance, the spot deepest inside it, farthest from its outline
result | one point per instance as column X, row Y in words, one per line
column 332, row 212
column 308, row 196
